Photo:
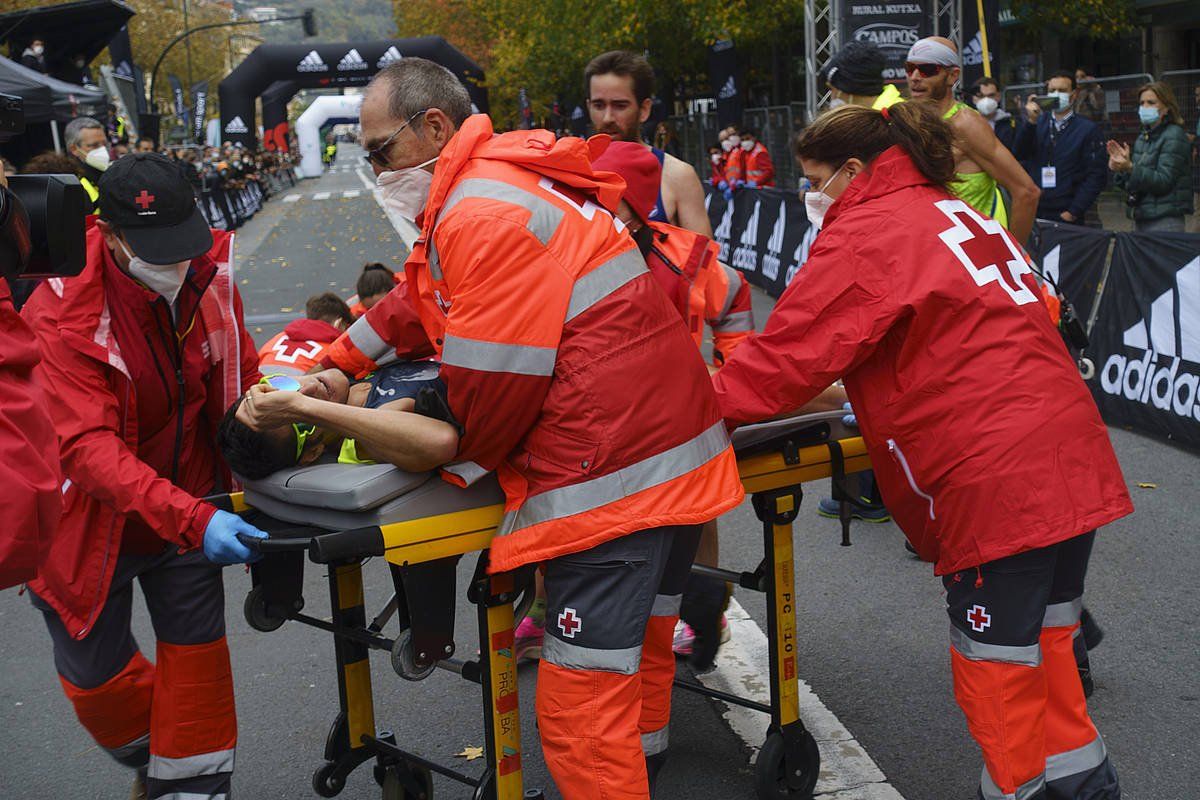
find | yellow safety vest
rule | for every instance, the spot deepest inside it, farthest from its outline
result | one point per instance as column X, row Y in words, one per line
column 92, row 192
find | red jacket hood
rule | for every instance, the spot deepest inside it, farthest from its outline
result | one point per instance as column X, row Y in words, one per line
column 891, row 171
column 567, row 161
column 314, row 330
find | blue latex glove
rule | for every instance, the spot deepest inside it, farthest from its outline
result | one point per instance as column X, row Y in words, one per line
column 728, row 194
column 738, row 184
column 221, row 545
column 849, row 420
column 752, row 184
column 723, row 185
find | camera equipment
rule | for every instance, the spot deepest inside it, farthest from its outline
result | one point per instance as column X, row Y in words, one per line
column 42, row 217
column 1046, row 102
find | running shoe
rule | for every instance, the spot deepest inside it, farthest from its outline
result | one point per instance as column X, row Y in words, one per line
column 527, row 640
column 867, row 512
column 684, row 640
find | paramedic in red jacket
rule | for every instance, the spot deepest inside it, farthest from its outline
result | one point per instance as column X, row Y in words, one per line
column 142, row 353
column 573, row 379
column 986, row 444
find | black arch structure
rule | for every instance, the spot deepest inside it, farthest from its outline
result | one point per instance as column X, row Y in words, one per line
column 277, row 67
column 275, row 113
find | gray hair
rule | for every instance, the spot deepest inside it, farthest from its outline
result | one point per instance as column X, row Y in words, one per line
column 75, row 128
column 416, row 84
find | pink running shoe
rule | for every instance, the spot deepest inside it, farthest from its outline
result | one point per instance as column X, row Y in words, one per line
column 527, row 640
column 685, row 637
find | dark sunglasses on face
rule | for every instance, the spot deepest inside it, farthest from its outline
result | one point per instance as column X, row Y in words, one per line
column 378, row 156
column 926, row 70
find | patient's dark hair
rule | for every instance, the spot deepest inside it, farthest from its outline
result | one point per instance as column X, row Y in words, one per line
column 374, row 279
column 253, row 454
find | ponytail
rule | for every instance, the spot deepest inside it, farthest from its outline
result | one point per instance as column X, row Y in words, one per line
column 864, row 133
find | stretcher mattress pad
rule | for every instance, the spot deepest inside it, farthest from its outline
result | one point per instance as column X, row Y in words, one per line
column 802, row 430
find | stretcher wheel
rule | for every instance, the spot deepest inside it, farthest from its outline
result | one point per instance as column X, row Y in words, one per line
column 404, row 659
column 770, row 770
column 258, row 616
column 394, row 788
column 326, row 780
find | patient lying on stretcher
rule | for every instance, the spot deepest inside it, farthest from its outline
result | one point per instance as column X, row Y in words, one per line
column 398, row 415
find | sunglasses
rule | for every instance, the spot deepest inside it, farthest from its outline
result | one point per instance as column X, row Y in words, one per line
column 286, row 383
column 378, row 156
column 926, row 70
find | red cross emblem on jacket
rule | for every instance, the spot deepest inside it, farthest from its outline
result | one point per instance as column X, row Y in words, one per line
column 569, row 623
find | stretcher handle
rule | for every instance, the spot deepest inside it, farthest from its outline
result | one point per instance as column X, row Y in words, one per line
column 351, row 545
column 258, row 545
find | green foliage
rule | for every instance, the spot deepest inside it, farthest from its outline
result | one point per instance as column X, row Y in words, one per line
column 1101, row 19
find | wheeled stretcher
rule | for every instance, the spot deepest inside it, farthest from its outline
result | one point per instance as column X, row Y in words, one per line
column 340, row 515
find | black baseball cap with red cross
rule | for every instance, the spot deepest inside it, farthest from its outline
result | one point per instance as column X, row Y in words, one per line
column 148, row 198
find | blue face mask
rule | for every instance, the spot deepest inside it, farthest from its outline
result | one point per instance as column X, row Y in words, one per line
column 1148, row 115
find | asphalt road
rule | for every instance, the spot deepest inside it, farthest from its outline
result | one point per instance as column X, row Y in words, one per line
column 871, row 622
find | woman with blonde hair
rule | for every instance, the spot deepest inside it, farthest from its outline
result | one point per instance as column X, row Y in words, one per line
column 1157, row 174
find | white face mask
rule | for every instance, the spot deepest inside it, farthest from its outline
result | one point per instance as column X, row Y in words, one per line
column 405, row 191
column 97, row 158
column 716, row 158
column 734, row 141
column 166, row 279
column 38, row 50
column 1064, row 100
column 817, row 203
column 986, row 106
column 748, row 145
column 726, row 145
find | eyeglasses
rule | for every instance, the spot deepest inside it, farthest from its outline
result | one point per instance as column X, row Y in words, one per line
column 926, row 70
column 378, row 156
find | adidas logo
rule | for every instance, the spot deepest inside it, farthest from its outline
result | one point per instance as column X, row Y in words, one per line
column 1170, row 331
column 391, row 55
column 721, row 234
column 728, row 90
column 745, row 256
column 770, row 262
column 351, row 61
column 312, row 63
column 801, row 254
column 236, row 126
column 973, row 52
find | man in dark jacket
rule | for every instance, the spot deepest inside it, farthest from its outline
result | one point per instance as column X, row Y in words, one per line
column 1064, row 153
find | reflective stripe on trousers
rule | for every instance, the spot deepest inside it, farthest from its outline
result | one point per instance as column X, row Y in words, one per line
column 656, row 742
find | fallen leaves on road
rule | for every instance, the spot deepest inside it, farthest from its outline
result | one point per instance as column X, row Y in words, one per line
column 1147, row 485
column 470, row 753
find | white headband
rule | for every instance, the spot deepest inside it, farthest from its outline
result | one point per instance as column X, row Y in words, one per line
column 930, row 51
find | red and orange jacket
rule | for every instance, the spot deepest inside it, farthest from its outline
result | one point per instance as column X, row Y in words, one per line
column 297, row 348
column 985, row 441
column 701, row 288
column 116, row 420
column 564, row 362
column 733, row 167
column 29, row 469
column 758, row 168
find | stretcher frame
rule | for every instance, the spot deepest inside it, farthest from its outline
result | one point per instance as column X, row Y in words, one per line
column 788, row 763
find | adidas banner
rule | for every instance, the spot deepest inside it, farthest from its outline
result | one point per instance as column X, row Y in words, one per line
column 894, row 27
column 726, row 83
column 1072, row 257
column 1146, row 343
column 199, row 110
column 764, row 233
column 975, row 31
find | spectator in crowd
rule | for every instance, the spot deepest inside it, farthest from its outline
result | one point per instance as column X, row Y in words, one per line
column 34, row 56
column 299, row 346
column 760, row 169
column 732, row 160
column 854, row 76
column 145, row 145
column 1157, row 174
column 665, row 139
column 985, row 94
column 1089, row 99
column 717, row 158
column 76, row 71
column 1064, row 154
column 115, row 126
column 86, row 141
column 374, row 282
column 52, row 162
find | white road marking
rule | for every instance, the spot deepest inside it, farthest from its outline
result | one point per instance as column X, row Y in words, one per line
column 351, row 194
column 847, row 772
column 367, row 183
column 291, row 198
column 321, row 196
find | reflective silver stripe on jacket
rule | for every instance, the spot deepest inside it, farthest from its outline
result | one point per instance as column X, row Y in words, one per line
column 645, row 474
column 519, row 359
column 655, row 742
column 173, row 769
column 735, row 284
column 469, row 471
column 666, row 605
column 605, row 279
column 1075, row 762
column 1028, row 655
column 130, row 749
column 1063, row 615
column 368, row 341
column 625, row 661
column 734, row 323
column 192, row 796
column 990, row 791
column 544, row 216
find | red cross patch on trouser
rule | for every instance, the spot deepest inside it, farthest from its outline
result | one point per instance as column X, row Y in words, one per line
column 1015, row 676
column 604, row 683
column 175, row 720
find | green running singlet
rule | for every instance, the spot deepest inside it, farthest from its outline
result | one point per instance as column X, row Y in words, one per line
column 978, row 189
